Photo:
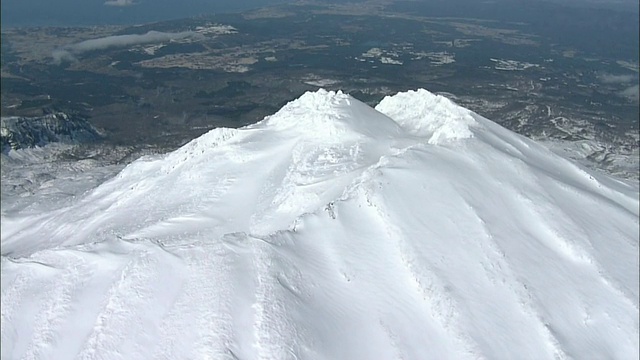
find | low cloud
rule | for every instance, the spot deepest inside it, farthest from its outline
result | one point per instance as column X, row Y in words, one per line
column 632, row 93
column 616, row 79
column 119, row 3
column 71, row 52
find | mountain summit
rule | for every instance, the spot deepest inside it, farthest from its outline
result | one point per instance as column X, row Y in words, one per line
column 331, row 230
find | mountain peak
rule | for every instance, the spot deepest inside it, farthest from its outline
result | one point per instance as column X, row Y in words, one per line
column 330, row 116
column 425, row 114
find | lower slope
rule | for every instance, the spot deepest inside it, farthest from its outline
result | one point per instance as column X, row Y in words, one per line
column 377, row 238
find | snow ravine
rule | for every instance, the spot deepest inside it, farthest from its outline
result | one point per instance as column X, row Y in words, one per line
column 331, row 230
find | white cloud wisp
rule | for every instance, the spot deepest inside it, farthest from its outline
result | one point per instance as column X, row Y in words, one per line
column 121, row 3
column 70, row 52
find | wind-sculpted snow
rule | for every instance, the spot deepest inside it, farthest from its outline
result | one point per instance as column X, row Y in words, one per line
column 332, row 231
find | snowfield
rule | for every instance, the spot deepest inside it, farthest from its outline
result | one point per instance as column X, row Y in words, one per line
column 332, row 230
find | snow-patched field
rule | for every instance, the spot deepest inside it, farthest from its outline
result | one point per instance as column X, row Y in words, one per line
column 331, row 230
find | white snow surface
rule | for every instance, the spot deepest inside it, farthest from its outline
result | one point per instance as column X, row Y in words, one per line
column 331, row 230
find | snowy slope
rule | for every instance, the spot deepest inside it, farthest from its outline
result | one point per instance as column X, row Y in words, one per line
column 331, row 230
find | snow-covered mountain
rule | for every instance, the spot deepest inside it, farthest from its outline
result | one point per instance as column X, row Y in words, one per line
column 331, row 230
column 25, row 132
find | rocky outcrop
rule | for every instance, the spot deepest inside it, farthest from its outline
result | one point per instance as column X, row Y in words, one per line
column 25, row 132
